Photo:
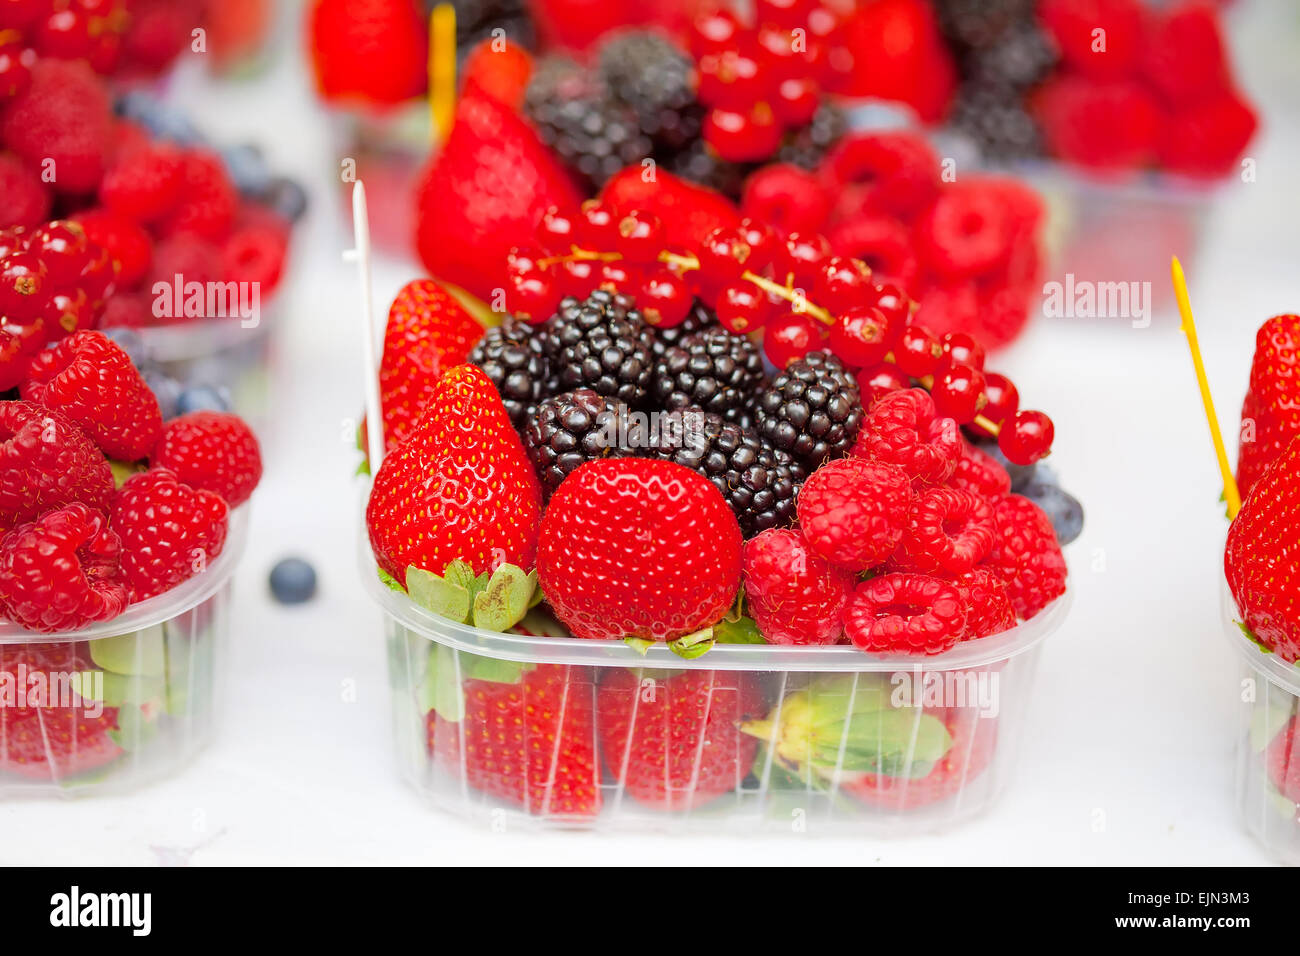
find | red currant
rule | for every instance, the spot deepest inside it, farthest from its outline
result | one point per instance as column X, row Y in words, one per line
column 64, row 35
column 596, row 223
column 640, row 236
column 961, row 349
column 665, row 301
column 577, row 277
column 524, row 259
column 1003, row 398
column 790, row 337
column 842, row 283
column 796, row 101
column 12, row 240
column 958, row 393
column 105, row 53
column 780, row 52
column 557, row 232
column 786, row 13
column 918, row 351
column 21, row 13
column 724, row 254
column 1027, row 437
column 99, row 276
column 743, row 137
column 31, row 334
column 742, row 307
column 714, row 31
column 532, row 296
column 15, row 70
column 23, row 286
column 807, row 254
column 762, row 241
column 875, row 381
column 731, row 80
column 13, row 362
column 619, row 276
column 62, row 247
column 68, row 312
column 862, row 336
column 892, row 301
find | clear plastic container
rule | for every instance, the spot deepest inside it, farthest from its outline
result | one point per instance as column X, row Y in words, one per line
column 119, row 703
column 746, row 737
column 1267, row 749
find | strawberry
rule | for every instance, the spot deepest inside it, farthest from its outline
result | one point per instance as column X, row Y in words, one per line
column 898, row 53
column 501, row 73
column 213, row 451
column 631, row 547
column 52, row 739
column 1262, row 557
column 459, row 487
column 484, row 194
column 688, row 212
column 1270, row 416
column 368, row 51
column 428, row 332
column 527, row 730
column 671, row 739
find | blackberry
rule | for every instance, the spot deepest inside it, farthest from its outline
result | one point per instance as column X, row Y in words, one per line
column 476, row 19
column 604, row 344
column 700, row 317
column 575, row 115
column 712, row 370
column 759, row 483
column 568, row 430
column 652, row 77
column 812, row 410
column 1020, row 59
column 977, row 24
column 513, row 355
column 697, row 163
column 997, row 121
column 808, row 145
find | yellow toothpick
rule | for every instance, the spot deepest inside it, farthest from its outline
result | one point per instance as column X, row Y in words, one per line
column 1230, row 491
column 442, row 69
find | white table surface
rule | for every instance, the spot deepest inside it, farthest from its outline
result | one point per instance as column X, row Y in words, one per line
column 1133, row 718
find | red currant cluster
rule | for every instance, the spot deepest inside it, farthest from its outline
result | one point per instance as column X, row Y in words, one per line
column 759, row 81
column 53, row 282
column 90, row 30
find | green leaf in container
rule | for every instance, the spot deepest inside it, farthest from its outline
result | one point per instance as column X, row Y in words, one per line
column 440, row 690
column 140, row 652
column 740, row 631
column 135, row 727
column 439, row 595
column 475, row 667
column 638, row 644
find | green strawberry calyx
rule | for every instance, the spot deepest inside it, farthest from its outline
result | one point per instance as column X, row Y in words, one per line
column 729, row 630
column 442, row 687
column 846, row 724
column 492, row 601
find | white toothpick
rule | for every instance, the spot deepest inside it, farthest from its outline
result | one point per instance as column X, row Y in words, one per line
column 361, row 256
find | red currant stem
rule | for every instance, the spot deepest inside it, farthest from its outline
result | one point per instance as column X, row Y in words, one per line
column 685, row 263
column 790, row 295
column 579, row 255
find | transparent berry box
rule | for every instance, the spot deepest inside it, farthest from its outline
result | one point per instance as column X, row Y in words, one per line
column 120, row 703
column 1267, row 757
column 746, row 737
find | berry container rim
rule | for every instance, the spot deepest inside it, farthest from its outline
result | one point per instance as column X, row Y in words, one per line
column 184, row 597
column 738, row 657
column 1286, row 676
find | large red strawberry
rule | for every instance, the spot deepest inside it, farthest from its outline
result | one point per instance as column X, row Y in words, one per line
column 368, row 51
column 672, row 739
column 1262, row 557
column 1270, row 415
column 688, row 211
column 459, row 487
column 528, row 734
column 52, row 739
column 428, row 332
column 484, row 193
column 631, row 547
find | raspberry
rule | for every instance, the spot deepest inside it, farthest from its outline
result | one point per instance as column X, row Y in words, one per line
column 1208, row 139
column 92, row 381
column 255, row 253
column 60, row 572
column 62, row 123
column 26, row 202
column 966, row 232
column 47, row 462
column 169, row 531
column 980, row 472
column 882, row 242
column 145, row 184
column 948, row 531
column 894, row 172
column 786, row 198
column 130, row 310
column 903, row 429
column 1106, row 125
column 1113, row 53
column 906, row 614
column 794, row 594
column 1184, row 58
column 950, row 308
column 1026, row 556
column 853, row 511
column 192, row 258
column 211, row 451
column 988, row 609
column 126, row 241
column 208, row 200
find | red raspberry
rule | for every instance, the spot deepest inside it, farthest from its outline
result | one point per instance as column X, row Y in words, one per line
column 126, row 241
column 169, row 531
column 130, row 310
column 980, row 472
column 47, row 462
column 853, row 511
column 967, row 232
column 894, row 172
column 60, row 572
column 950, row 308
column 92, row 381
column 213, row 451
column 192, row 258
column 882, row 242
column 794, row 594
column 62, row 123
column 145, row 184
column 903, row 429
column 1282, row 758
column 1184, row 57
column 1207, row 140
column 1002, row 311
column 988, row 608
column 1107, row 125
column 948, row 530
column 1112, row 54
column 1026, row 556
column 905, row 614
column 208, row 200
column 26, row 202
column 787, row 198
column 255, row 253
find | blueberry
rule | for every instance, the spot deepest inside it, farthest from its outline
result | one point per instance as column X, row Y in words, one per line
column 287, row 197
column 1062, row 507
column 293, row 581
column 248, row 170
column 1021, row 475
column 130, row 342
column 158, row 118
column 199, row 398
column 165, row 388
